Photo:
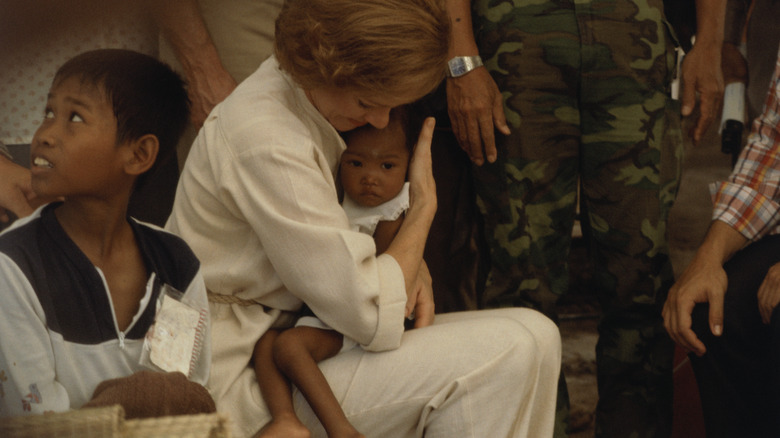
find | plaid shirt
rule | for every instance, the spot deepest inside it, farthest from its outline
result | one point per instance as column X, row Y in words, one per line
column 749, row 201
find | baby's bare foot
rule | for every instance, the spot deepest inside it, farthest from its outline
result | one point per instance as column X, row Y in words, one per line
column 284, row 427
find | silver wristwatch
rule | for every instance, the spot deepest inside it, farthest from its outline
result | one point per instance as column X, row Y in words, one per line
column 460, row 65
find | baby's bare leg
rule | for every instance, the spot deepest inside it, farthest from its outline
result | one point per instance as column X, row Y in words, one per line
column 297, row 352
column 276, row 393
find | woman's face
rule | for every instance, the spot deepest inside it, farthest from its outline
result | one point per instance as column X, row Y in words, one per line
column 349, row 109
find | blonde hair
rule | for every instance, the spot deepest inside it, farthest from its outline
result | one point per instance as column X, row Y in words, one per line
column 379, row 46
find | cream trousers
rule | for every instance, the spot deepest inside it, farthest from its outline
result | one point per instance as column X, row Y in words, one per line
column 490, row 374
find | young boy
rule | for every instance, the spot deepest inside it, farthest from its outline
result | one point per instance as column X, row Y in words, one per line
column 79, row 280
column 376, row 195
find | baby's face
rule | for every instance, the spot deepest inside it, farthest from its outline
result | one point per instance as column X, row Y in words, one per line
column 373, row 168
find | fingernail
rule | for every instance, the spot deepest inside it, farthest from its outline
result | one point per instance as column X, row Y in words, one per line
column 717, row 330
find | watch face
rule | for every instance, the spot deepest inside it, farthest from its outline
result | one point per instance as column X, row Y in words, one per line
column 457, row 68
column 461, row 65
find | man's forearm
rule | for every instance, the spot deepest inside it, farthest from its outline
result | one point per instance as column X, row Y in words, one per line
column 463, row 43
column 710, row 22
column 721, row 242
column 182, row 25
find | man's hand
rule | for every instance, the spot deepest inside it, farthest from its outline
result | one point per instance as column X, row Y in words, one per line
column 733, row 64
column 183, row 27
column 208, row 85
column 476, row 108
column 769, row 293
column 702, row 282
column 16, row 195
column 701, row 76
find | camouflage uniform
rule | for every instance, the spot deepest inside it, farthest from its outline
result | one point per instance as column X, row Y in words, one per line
column 586, row 88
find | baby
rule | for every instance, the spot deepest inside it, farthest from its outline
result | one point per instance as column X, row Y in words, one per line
column 376, row 195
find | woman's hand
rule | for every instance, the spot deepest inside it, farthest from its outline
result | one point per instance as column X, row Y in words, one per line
column 409, row 243
column 422, row 187
column 769, row 293
column 420, row 298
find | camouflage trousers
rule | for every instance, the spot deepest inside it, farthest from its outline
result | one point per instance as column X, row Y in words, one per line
column 586, row 88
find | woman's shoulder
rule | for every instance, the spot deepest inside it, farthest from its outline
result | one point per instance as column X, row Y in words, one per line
column 270, row 114
column 267, row 109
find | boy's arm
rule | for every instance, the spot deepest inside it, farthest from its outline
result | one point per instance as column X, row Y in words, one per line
column 385, row 233
column 28, row 383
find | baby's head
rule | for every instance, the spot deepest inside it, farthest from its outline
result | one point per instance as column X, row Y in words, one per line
column 129, row 94
column 373, row 167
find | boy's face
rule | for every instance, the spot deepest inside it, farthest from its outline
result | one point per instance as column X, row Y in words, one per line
column 74, row 151
column 373, row 168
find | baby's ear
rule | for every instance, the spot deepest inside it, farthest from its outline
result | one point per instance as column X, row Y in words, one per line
column 143, row 153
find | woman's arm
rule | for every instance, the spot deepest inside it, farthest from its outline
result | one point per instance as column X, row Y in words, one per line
column 409, row 244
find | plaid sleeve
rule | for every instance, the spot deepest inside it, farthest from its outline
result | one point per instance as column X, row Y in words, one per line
column 750, row 200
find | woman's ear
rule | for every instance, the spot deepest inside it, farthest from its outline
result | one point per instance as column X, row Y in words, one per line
column 143, row 153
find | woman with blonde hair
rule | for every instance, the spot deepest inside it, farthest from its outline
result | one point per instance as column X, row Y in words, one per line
column 258, row 202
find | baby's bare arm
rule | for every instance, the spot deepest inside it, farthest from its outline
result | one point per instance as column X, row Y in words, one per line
column 385, row 233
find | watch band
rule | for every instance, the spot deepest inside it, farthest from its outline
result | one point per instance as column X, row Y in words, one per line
column 460, row 65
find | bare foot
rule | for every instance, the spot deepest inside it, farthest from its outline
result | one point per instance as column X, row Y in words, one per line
column 284, row 427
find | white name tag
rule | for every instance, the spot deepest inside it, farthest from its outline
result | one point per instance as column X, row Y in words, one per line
column 175, row 334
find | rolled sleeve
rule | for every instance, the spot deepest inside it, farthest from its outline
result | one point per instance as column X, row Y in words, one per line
column 745, row 209
column 392, row 306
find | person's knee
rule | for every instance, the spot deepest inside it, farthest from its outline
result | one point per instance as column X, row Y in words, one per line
column 535, row 334
column 544, row 331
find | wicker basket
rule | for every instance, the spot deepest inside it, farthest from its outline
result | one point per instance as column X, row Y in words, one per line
column 110, row 422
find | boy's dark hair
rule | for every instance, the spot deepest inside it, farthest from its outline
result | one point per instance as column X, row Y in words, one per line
column 146, row 95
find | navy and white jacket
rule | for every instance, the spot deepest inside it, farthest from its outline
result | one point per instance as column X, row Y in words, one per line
column 58, row 334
